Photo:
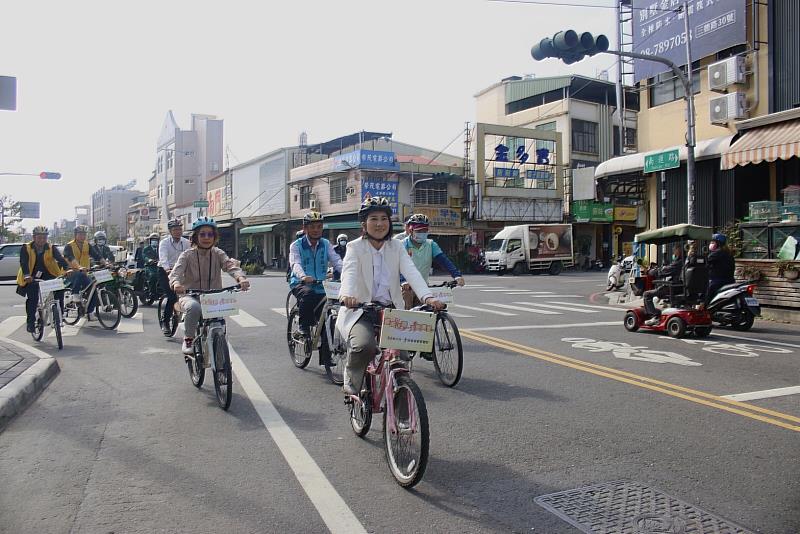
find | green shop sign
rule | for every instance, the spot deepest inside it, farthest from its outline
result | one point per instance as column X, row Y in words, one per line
column 591, row 211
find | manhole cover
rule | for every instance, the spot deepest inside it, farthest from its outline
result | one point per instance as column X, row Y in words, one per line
column 632, row 508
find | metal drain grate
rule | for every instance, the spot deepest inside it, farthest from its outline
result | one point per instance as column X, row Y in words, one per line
column 623, row 507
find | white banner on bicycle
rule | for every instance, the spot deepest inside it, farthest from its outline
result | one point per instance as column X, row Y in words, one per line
column 407, row 330
column 332, row 289
column 219, row 305
column 442, row 294
column 103, row 275
column 56, row 284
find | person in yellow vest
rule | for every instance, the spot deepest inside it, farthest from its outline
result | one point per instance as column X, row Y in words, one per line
column 38, row 260
column 78, row 255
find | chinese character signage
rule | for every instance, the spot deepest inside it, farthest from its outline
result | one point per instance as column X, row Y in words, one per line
column 545, row 176
column 378, row 187
column 505, row 172
column 407, row 330
column 214, row 197
column 714, row 25
column 626, row 213
column 445, row 217
column 368, row 159
column 661, row 161
column 590, row 211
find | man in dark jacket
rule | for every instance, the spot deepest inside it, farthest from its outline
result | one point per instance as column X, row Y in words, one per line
column 721, row 266
column 38, row 260
column 100, row 251
column 672, row 273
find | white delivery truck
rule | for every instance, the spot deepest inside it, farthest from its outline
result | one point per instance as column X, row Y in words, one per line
column 529, row 248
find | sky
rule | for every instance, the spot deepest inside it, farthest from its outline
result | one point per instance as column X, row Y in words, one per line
column 95, row 79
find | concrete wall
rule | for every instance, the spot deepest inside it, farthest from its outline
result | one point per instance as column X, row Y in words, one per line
column 259, row 187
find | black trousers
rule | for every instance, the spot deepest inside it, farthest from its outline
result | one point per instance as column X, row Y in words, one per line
column 308, row 301
column 172, row 297
column 713, row 288
column 31, row 292
column 649, row 307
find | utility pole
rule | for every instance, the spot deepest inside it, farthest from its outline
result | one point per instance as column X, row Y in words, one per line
column 690, row 136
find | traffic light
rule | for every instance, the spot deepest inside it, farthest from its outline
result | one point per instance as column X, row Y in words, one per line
column 569, row 46
column 50, row 175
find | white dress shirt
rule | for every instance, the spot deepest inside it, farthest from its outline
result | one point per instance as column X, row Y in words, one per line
column 169, row 249
column 380, row 277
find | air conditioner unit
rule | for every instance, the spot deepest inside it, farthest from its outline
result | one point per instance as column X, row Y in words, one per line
column 728, row 107
column 312, row 204
column 350, row 190
column 727, row 72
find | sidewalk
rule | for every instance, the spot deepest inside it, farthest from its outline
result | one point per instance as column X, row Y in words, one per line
column 24, row 373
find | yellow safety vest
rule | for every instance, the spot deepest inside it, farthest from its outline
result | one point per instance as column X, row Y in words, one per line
column 49, row 262
column 84, row 256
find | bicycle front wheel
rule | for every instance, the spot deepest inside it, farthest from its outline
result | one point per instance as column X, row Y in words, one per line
column 223, row 376
column 448, row 356
column 299, row 346
column 72, row 312
column 197, row 372
column 406, row 435
column 128, row 302
column 107, row 311
column 56, row 315
column 361, row 412
column 38, row 325
column 334, row 367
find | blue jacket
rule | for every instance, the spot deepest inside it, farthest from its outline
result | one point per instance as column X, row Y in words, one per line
column 313, row 263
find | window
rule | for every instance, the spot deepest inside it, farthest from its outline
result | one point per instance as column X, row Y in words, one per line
column 338, row 190
column 160, row 191
column 170, row 188
column 630, row 140
column 160, row 163
column 584, row 137
column 10, row 251
column 666, row 87
column 305, row 197
column 549, row 145
column 513, row 244
column 431, row 193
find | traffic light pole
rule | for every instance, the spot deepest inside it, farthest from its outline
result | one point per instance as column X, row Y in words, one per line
column 690, row 118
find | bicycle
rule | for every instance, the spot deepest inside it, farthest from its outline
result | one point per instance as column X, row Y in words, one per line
column 387, row 387
column 148, row 287
column 107, row 309
column 446, row 341
column 128, row 302
column 48, row 311
column 301, row 346
column 177, row 316
column 213, row 354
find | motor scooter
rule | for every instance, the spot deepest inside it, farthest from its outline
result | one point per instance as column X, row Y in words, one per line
column 734, row 305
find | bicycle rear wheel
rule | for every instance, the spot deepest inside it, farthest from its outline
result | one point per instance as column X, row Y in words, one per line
column 38, row 325
column 223, row 376
column 128, row 302
column 361, row 412
column 407, row 437
column 56, row 315
column 299, row 345
column 72, row 311
column 107, row 311
column 448, row 355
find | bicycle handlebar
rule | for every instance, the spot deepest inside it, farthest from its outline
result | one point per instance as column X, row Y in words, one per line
column 234, row 288
column 451, row 284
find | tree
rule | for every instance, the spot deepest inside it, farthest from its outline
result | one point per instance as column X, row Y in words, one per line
column 9, row 216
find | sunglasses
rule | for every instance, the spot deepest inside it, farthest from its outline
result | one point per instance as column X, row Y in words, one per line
column 205, row 234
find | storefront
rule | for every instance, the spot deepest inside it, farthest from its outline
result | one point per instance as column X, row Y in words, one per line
column 591, row 230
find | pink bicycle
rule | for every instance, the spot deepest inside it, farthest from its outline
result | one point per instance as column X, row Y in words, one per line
column 388, row 388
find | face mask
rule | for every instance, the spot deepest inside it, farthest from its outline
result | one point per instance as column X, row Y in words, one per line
column 101, row 242
column 420, row 237
column 342, row 242
column 713, row 246
column 674, row 257
column 154, row 243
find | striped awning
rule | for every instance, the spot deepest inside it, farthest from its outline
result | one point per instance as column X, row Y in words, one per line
column 766, row 143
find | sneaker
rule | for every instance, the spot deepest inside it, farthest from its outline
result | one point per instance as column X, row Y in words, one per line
column 166, row 329
column 29, row 328
column 188, row 346
column 653, row 321
column 426, row 356
column 348, row 389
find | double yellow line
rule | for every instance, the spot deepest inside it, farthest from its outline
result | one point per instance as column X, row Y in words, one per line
column 764, row 415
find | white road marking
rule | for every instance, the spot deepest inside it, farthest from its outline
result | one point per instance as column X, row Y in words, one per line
column 70, row 330
column 715, row 333
column 565, row 308
column 246, row 320
column 520, row 308
column 592, row 306
column 459, row 315
column 503, row 289
column 134, row 325
column 331, row 507
column 482, row 310
column 765, row 394
column 543, row 326
column 156, row 350
column 280, row 311
column 10, row 325
column 469, row 286
column 521, row 293
column 551, row 296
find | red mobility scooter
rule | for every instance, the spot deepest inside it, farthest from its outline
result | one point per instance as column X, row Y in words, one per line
column 686, row 312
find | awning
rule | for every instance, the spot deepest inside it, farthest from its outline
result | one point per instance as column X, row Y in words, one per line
column 448, row 230
column 633, row 163
column 258, row 229
column 678, row 232
column 224, row 225
column 767, row 143
column 342, row 225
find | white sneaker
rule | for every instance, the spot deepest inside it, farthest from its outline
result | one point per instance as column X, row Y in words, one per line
column 188, row 346
column 652, row 322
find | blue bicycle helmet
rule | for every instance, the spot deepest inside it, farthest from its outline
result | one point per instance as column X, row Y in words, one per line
column 204, row 221
column 719, row 238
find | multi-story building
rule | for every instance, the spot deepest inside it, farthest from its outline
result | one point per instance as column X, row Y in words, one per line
column 141, row 220
column 186, row 159
column 83, row 215
column 513, row 117
column 110, row 210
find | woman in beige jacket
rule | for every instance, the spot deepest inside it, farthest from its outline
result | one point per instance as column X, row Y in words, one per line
column 201, row 268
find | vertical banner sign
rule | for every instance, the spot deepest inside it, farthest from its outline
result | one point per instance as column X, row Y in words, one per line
column 378, row 187
column 658, row 30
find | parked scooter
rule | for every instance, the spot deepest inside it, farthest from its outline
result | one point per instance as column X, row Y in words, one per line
column 734, row 305
column 618, row 273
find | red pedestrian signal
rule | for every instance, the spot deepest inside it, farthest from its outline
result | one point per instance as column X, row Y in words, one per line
column 50, row 175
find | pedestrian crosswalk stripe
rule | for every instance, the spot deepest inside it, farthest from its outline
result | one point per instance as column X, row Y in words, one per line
column 134, row 325
column 71, row 330
column 459, row 315
column 592, row 306
column 503, row 289
column 483, row 310
column 520, row 308
column 10, row 325
column 246, row 320
column 280, row 311
column 564, row 308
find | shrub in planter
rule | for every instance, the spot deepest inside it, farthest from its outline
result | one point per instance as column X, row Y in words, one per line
column 253, row 268
column 751, row 273
column 788, row 269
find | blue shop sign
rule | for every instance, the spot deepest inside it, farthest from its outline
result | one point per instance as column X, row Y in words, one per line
column 370, row 159
column 377, row 187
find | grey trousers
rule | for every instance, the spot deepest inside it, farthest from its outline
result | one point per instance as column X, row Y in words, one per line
column 191, row 315
column 362, row 345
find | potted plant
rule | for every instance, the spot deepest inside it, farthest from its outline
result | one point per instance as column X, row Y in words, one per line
column 788, row 269
column 748, row 272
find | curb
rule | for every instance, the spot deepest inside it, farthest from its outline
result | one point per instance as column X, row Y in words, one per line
column 26, row 388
